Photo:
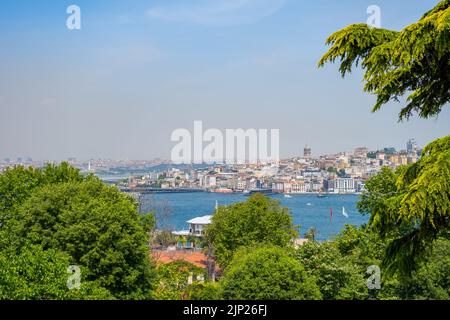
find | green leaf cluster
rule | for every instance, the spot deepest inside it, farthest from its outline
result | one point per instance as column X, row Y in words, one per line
column 414, row 61
column 257, row 220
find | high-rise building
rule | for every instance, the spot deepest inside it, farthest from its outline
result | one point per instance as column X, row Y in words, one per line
column 307, row 152
column 411, row 146
column 361, row 152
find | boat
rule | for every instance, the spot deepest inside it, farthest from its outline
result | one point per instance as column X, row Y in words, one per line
column 309, row 204
column 266, row 192
column 321, row 195
column 287, row 196
column 344, row 213
column 222, row 190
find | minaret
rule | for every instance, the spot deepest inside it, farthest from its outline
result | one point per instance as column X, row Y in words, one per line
column 307, row 152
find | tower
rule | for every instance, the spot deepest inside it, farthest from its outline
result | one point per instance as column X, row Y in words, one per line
column 411, row 146
column 307, row 152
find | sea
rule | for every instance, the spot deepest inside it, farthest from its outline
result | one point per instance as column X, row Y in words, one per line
column 308, row 211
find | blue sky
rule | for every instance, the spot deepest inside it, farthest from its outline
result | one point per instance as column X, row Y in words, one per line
column 137, row 70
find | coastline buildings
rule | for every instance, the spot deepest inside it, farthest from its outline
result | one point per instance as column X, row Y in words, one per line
column 344, row 172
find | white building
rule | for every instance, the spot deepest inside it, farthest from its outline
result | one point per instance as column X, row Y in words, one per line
column 342, row 185
column 196, row 227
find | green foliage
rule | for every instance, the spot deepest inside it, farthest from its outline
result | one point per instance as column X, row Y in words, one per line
column 204, row 291
column 414, row 61
column 18, row 183
column 166, row 238
column 148, row 222
column 337, row 277
column 362, row 247
column 378, row 188
column 341, row 173
column 267, row 273
column 258, row 220
column 37, row 274
column 173, row 281
column 411, row 207
column 97, row 227
column 311, row 234
column 432, row 279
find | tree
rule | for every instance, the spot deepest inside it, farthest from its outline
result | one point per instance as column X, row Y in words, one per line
column 411, row 206
column 332, row 170
column 415, row 208
column 361, row 247
column 204, row 291
column 32, row 273
column 415, row 60
column 337, row 277
column 432, row 279
column 97, row 227
column 341, row 173
column 18, row 183
column 267, row 273
column 311, row 234
column 258, row 220
column 173, row 280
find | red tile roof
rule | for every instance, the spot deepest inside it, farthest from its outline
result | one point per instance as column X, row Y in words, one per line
column 196, row 258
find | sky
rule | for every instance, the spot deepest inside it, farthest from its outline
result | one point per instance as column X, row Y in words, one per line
column 137, row 70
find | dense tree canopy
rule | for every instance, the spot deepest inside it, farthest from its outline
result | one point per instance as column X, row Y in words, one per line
column 173, row 280
column 340, row 267
column 414, row 61
column 267, row 273
column 258, row 220
column 337, row 277
column 92, row 225
column 32, row 273
column 411, row 206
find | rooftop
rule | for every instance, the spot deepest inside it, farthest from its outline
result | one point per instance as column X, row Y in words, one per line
column 201, row 220
column 196, row 258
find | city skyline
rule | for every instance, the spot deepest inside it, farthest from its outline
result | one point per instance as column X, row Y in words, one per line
column 300, row 154
column 118, row 88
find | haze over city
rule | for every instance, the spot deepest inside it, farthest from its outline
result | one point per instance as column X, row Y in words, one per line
column 118, row 87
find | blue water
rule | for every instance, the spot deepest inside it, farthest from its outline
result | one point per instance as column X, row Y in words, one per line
column 175, row 209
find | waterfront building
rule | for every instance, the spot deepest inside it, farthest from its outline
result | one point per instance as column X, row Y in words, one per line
column 342, row 185
column 190, row 239
column 298, row 187
column 278, row 186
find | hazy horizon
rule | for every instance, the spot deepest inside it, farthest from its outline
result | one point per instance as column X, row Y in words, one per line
column 117, row 88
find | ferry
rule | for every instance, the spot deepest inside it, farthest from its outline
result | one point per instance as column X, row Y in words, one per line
column 222, row 190
column 266, row 192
